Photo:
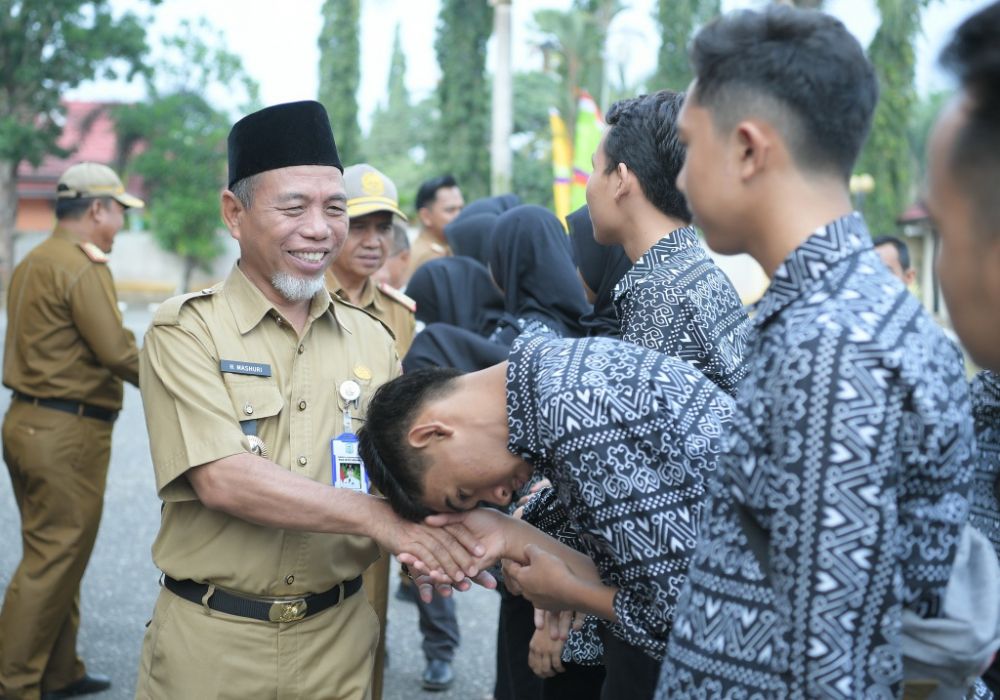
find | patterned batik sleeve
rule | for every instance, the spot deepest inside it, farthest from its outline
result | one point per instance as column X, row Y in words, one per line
column 938, row 454
column 825, row 484
column 650, row 321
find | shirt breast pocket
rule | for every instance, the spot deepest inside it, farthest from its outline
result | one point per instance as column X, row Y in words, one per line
column 257, row 405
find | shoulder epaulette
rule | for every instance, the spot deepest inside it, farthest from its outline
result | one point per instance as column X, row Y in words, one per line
column 168, row 313
column 343, row 302
column 93, row 252
column 397, row 296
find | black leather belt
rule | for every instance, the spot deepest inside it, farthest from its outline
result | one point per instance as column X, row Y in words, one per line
column 78, row 407
column 286, row 610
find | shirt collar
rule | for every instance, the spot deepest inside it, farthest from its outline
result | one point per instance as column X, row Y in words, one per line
column 809, row 264
column 673, row 243
column 369, row 299
column 250, row 306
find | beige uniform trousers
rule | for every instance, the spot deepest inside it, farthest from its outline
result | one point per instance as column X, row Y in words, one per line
column 192, row 652
column 58, row 464
column 376, row 578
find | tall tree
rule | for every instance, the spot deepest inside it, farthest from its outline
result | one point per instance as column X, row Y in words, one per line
column 461, row 142
column 887, row 155
column 340, row 73
column 182, row 158
column 678, row 20
column 46, row 48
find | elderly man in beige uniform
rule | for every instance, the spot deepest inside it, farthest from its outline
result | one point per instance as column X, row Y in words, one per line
column 371, row 205
column 253, row 392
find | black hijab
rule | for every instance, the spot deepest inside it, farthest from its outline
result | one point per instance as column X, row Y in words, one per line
column 441, row 345
column 532, row 262
column 601, row 267
column 490, row 205
column 469, row 236
column 458, row 291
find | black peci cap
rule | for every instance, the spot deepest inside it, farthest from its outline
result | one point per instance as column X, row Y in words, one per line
column 295, row 133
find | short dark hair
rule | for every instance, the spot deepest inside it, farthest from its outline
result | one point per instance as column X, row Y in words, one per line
column 429, row 188
column 400, row 239
column 799, row 69
column 643, row 136
column 74, row 208
column 395, row 468
column 902, row 250
column 973, row 54
column 244, row 190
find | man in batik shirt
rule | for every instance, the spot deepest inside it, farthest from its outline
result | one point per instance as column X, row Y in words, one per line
column 627, row 436
column 843, row 488
column 674, row 299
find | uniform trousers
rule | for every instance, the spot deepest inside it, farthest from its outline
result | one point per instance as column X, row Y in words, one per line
column 191, row 651
column 58, row 465
column 629, row 671
column 376, row 579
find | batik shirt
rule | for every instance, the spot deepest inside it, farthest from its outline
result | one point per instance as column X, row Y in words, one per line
column 676, row 300
column 840, row 495
column 626, row 436
column 985, row 514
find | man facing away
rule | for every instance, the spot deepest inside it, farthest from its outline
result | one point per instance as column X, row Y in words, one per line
column 961, row 198
column 674, row 298
column 439, row 201
column 843, row 487
column 253, row 391
column 66, row 355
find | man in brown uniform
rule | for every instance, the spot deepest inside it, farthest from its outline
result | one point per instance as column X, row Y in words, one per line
column 371, row 205
column 439, row 201
column 253, row 391
column 66, row 355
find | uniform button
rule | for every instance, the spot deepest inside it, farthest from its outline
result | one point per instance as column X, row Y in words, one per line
column 302, row 349
column 302, row 405
column 303, row 461
column 248, row 409
column 289, row 579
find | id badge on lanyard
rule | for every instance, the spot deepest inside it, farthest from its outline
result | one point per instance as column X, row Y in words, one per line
column 348, row 470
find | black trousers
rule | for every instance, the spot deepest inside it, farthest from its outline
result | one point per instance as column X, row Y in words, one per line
column 575, row 683
column 630, row 672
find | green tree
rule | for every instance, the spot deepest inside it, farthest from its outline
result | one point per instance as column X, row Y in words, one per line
column 46, row 48
column 461, row 142
column 678, row 20
column 395, row 142
column 924, row 115
column 532, row 137
column 340, row 73
column 887, row 155
column 176, row 140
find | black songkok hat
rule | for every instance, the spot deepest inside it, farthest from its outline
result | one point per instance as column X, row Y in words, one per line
column 295, row 133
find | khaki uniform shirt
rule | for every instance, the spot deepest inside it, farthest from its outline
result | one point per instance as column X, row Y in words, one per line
column 65, row 338
column 387, row 304
column 425, row 248
column 194, row 412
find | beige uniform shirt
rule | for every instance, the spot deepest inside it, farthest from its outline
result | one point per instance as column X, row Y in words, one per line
column 426, row 248
column 387, row 304
column 289, row 385
column 65, row 338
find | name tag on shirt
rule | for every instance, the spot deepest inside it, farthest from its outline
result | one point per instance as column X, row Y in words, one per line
column 256, row 369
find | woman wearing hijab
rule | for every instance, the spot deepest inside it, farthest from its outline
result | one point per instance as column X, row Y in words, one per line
column 601, row 267
column 496, row 205
column 469, row 236
column 532, row 263
column 458, row 291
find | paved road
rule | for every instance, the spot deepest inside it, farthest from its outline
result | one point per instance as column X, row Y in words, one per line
column 120, row 585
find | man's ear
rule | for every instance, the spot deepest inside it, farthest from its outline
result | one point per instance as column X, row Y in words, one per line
column 754, row 145
column 423, row 434
column 232, row 213
column 625, row 181
column 424, row 214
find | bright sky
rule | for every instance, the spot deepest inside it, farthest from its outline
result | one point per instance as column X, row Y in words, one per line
column 277, row 41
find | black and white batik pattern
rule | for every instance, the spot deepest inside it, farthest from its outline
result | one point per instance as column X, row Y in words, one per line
column 849, row 461
column 627, row 437
column 676, row 300
column 505, row 332
column 985, row 392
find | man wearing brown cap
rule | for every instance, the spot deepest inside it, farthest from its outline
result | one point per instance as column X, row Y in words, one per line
column 371, row 205
column 66, row 355
column 254, row 390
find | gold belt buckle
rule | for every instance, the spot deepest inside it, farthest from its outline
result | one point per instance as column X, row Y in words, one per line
column 287, row 611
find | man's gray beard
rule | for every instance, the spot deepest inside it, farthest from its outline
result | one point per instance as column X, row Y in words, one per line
column 296, row 288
